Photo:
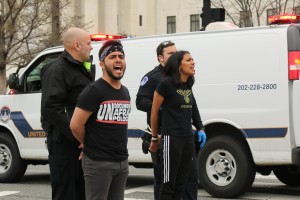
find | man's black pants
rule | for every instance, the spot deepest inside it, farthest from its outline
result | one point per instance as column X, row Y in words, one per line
column 66, row 174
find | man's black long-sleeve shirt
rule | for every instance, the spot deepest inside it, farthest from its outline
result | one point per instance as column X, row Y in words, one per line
column 146, row 90
column 62, row 82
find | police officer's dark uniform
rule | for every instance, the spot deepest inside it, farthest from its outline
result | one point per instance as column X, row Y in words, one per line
column 62, row 82
column 146, row 90
column 144, row 103
column 144, row 99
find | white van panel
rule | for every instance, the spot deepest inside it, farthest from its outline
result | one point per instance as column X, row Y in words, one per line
column 295, row 106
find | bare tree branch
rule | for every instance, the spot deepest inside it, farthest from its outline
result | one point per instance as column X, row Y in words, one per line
column 250, row 12
column 26, row 29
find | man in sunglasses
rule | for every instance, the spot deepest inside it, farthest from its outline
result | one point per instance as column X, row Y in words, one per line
column 144, row 103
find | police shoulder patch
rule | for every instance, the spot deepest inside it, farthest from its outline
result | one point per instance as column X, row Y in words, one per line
column 144, row 80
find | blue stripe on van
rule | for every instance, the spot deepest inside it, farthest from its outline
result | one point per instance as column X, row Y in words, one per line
column 26, row 130
column 265, row 132
column 135, row 133
column 24, row 127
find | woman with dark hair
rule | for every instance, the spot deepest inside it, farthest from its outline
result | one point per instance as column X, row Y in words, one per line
column 179, row 112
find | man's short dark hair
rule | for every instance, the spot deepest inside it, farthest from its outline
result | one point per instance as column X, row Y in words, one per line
column 109, row 43
column 161, row 46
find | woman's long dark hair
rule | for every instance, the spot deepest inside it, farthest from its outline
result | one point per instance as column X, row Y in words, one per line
column 171, row 69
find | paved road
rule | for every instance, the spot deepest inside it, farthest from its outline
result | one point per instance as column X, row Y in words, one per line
column 36, row 186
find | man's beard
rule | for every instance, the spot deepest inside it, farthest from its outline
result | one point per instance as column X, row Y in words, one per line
column 111, row 75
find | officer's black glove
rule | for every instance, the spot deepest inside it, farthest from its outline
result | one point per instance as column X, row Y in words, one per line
column 146, row 142
column 145, row 147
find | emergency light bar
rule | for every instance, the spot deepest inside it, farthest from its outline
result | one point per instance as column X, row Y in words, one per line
column 101, row 37
column 283, row 19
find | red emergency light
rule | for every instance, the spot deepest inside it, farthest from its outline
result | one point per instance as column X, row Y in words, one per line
column 101, row 37
column 283, row 19
column 11, row 92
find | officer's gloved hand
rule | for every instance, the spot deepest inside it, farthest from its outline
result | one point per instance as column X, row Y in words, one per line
column 146, row 142
column 201, row 138
column 145, row 147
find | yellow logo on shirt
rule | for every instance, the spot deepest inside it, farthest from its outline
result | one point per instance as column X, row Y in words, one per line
column 186, row 95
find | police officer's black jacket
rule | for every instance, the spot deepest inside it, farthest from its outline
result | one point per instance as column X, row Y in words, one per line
column 62, row 82
column 146, row 91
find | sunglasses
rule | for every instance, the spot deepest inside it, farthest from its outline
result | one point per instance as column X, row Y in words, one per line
column 166, row 44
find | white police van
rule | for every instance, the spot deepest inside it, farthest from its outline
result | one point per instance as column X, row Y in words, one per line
column 247, row 89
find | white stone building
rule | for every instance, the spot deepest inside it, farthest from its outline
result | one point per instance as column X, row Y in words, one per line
column 139, row 17
column 151, row 17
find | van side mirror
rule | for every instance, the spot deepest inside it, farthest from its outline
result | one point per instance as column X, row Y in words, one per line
column 13, row 81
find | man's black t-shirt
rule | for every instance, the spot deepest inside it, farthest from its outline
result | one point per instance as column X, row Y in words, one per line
column 106, row 129
column 180, row 109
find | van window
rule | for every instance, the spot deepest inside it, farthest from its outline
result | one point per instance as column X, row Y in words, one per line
column 33, row 80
